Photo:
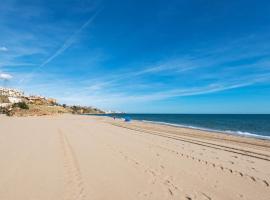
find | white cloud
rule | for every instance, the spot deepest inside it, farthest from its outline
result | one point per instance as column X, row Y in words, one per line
column 4, row 76
column 3, row 48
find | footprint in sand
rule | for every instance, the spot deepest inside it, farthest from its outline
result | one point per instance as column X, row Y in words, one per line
column 252, row 178
column 170, row 192
column 74, row 187
column 266, row 183
column 205, row 195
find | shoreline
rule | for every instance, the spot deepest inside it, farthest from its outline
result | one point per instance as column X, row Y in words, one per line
column 188, row 132
column 235, row 133
column 229, row 132
column 232, row 133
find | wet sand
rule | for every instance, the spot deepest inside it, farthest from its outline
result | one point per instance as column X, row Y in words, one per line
column 73, row 157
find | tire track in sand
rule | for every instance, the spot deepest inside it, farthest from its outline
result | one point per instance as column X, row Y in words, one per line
column 74, row 187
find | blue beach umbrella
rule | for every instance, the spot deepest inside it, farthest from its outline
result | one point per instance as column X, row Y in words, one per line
column 127, row 119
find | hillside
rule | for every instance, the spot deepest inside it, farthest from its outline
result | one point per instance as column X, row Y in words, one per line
column 15, row 103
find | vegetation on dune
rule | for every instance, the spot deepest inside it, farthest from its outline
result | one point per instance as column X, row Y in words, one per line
column 85, row 110
column 21, row 105
column 26, row 109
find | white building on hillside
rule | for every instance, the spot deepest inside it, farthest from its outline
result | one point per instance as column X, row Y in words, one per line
column 9, row 92
column 13, row 95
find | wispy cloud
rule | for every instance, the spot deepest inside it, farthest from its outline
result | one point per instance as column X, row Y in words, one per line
column 187, row 76
column 97, row 96
column 175, row 65
column 69, row 41
column 64, row 46
column 3, row 48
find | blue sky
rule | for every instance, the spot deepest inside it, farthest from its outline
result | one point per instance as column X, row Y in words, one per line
column 178, row 56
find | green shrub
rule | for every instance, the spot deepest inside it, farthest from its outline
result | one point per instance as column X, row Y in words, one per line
column 21, row 105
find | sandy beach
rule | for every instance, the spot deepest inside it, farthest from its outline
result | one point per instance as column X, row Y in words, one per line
column 72, row 157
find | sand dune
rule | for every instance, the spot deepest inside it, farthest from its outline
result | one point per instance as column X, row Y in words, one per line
column 72, row 157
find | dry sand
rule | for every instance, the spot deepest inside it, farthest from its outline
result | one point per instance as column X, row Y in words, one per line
column 81, row 157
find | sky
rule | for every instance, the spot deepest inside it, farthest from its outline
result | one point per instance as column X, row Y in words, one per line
column 176, row 56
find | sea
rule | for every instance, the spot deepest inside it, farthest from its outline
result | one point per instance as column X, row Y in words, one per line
column 248, row 125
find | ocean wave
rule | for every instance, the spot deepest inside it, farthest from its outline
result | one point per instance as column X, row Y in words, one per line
column 247, row 134
column 239, row 133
